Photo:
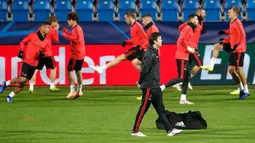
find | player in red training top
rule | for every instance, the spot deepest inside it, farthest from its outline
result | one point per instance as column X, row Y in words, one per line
column 135, row 54
column 77, row 54
column 195, row 57
column 184, row 48
column 235, row 44
column 48, row 60
column 36, row 47
column 150, row 28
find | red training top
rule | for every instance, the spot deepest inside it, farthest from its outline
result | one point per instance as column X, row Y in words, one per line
column 77, row 42
column 183, row 42
column 35, row 43
column 138, row 35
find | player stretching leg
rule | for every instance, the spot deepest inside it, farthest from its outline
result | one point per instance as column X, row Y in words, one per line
column 182, row 58
column 199, row 30
column 135, row 54
column 235, row 44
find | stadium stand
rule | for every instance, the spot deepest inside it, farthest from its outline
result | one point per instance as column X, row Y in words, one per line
column 114, row 10
column 213, row 10
column 62, row 8
column 20, row 9
column 84, row 8
column 41, row 9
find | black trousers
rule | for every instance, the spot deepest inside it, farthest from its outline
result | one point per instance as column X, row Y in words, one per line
column 154, row 96
column 183, row 75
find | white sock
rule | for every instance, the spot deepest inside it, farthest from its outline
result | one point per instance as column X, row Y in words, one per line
column 52, row 85
column 103, row 67
column 8, row 83
column 183, row 97
column 213, row 61
column 240, row 86
column 72, row 88
column 12, row 94
column 162, row 87
column 31, row 86
column 246, row 90
column 191, row 75
column 79, row 88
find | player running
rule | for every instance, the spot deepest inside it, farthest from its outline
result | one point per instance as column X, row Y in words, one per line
column 199, row 30
column 235, row 44
column 37, row 44
column 134, row 54
column 184, row 48
column 77, row 44
column 48, row 60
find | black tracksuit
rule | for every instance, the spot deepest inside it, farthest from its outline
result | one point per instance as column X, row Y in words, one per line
column 150, row 85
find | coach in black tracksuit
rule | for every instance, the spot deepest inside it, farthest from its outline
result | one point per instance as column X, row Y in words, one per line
column 149, row 82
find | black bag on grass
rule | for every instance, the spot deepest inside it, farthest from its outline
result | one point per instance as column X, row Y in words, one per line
column 185, row 120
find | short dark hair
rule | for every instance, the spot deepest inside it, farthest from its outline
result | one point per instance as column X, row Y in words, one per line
column 73, row 16
column 153, row 37
column 191, row 16
column 147, row 15
column 235, row 9
column 53, row 19
column 131, row 13
column 199, row 9
column 45, row 23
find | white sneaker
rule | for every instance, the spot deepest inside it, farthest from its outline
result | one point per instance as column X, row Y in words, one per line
column 97, row 69
column 174, row 132
column 138, row 134
column 178, row 87
column 185, row 102
column 190, row 87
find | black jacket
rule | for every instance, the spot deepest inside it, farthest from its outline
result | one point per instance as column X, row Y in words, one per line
column 149, row 76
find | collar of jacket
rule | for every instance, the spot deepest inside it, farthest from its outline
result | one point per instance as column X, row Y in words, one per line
column 153, row 49
column 149, row 25
column 200, row 19
column 193, row 26
column 133, row 24
column 41, row 37
column 74, row 26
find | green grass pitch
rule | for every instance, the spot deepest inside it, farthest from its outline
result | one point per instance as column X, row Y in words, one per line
column 107, row 114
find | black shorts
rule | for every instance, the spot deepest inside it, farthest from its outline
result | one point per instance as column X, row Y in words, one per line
column 183, row 68
column 75, row 65
column 226, row 47
column 195, row 57
column 135, row 52
column 236, row 59
column 27, row 71
column 49, row 62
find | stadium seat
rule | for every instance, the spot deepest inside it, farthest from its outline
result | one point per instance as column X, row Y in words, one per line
column 124, row 6
column 149, row 7
column 169, row 10
column 41, row 10
column 3, row 11
column 189, row 7
column 229, row 3
column 84, row 8
column 250, row 8
column 62, row 8
column 105, row 10
column 213, row 9
column 20, row 10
